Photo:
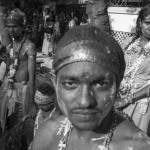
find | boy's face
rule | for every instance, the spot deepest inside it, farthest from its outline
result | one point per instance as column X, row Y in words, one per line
column 50, row 23
column 39, row 97
column 14, row 30
column 85, row 93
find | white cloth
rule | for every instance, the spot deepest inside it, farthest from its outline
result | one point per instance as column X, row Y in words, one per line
column 47, row 62
column 72, row 24
column 2, row 70
column 47, row 43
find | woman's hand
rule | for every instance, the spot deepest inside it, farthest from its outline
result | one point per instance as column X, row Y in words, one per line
column 124, row 88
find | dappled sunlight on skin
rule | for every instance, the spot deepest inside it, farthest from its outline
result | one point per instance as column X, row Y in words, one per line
column 109, row 102
column 91, row 93
column 63, row 106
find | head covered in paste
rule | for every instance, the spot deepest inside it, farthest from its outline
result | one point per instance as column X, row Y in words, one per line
column 16, row 17
column 45, row 94
column 88, row 43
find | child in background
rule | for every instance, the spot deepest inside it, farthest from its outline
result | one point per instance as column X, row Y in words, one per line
column 45, row 100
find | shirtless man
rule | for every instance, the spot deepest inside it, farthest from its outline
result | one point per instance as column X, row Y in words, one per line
column 88, row 68
column 18, row 88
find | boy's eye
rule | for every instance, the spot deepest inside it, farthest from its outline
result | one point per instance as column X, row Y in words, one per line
column 70, row 84
column 147, row 23
column 101, row 84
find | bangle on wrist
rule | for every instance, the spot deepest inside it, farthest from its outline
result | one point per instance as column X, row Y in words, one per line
column 130, row 99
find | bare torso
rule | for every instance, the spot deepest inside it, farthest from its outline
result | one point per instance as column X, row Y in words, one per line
column 126, row 137
column 22, row 73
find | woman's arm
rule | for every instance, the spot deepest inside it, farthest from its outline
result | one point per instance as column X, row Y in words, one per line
column 132, row 98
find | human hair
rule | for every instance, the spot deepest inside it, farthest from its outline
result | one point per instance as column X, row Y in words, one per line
column 144, row 12
column 46, row 89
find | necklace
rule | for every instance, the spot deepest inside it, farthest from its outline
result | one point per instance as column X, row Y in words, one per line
column 14, row 60
column 37, row 120
column 108, row 137
column 64, row 132
column 66, row 127
column 124, row 115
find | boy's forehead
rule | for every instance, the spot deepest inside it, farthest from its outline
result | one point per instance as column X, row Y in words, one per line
column 84, row 70
column 41, row 98
column 87, row 43
column 39, row 94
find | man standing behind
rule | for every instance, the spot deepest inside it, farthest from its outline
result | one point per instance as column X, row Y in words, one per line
column 18, row 87
column 88, row 68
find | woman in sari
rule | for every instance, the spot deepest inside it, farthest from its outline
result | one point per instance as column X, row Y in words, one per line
column 135, row 87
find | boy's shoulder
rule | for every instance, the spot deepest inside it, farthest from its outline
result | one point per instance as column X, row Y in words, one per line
column 47, row 133
column 51, row 124
column 127, row 135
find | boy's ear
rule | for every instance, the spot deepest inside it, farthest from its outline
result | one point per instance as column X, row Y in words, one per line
column 53, row 78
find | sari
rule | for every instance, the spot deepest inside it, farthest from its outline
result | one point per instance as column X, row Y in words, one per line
column 139, row 111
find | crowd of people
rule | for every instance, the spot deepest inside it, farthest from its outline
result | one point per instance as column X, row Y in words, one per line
column 52, row 27
column 98, row 96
